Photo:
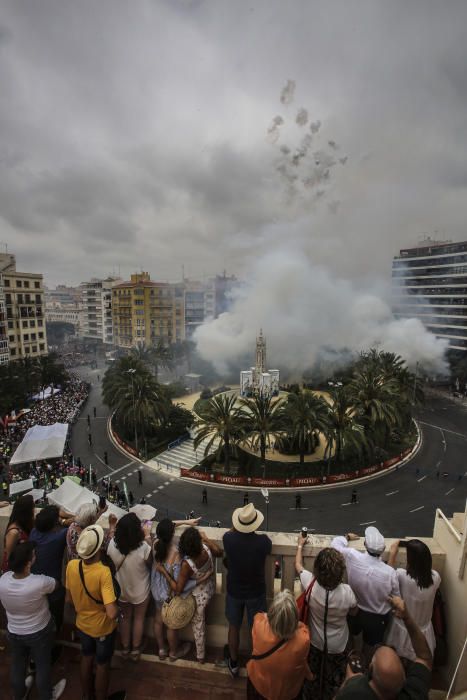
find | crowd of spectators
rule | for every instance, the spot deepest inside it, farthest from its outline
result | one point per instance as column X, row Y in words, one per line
column 116, row 573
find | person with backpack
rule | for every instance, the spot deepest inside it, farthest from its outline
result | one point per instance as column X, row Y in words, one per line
column 90, row 589
column 329, row 602
column 278, row 665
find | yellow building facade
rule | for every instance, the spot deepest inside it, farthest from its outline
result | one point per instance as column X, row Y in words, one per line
column 145, row 313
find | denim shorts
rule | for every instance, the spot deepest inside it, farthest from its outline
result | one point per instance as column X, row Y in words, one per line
column 234, row 608
column 100, row 647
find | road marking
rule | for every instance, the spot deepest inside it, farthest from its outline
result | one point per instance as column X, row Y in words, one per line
column 448, row 492
column 155, row 491
column 160, row 487
column 445, row 430
column 347, row 504
column 115, row 471
column 174, row 479
column 117, row 481
column 302, row 508
column 414, row 510
column 148, row 495
column 370, row 522
column 391, row 493
column 166, row 483
column 421, row 479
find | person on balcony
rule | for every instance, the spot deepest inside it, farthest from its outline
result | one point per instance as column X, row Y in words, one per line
column 31, row 630
column 49, row 536
column 386, row 677
column 278, row 665
column 246, row 553
column 330, row 601
column 373, row 582
column 91, row 592
column 418, row 585
column 166, row 555
column 197, row 552
column 87, row 514
column 18, row 528
column 130, row 551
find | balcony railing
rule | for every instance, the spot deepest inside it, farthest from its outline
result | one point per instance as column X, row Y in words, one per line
column 449, row 552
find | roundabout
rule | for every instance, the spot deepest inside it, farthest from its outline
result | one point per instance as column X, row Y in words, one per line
column 401, row 502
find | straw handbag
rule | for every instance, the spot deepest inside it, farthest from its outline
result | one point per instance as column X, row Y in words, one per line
column 177, row 612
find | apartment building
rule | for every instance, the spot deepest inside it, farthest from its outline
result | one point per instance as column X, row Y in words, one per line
column 4, row 349
column 146, row 312
column 430, row 283
column 25, row 312
column 96, row 309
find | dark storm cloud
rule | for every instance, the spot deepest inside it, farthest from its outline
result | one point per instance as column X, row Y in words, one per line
column 138, row 133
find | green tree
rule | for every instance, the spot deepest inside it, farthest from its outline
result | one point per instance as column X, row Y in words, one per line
column 221, row 424
column 264, row 419
column 305, row 416
column 344, row 434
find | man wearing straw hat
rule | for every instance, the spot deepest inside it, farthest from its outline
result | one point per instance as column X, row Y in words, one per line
column 246, row 553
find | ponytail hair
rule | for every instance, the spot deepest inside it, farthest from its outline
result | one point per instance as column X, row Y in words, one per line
column 164, row 534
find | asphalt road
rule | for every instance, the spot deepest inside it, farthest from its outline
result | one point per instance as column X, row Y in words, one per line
column 400, row 504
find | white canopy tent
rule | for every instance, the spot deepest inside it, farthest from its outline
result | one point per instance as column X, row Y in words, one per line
column 41, row 442
column 70, row 496
column 46, row 393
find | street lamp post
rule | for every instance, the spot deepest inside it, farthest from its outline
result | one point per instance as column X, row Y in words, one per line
column 131, row 372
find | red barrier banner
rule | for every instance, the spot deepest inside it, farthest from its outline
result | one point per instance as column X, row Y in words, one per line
column 123, row 444
column 340, row 477
column 267, row 482
column 390, row 462
column 306, row 481
column 225, row 479
column 201, row 476
column 369, row 470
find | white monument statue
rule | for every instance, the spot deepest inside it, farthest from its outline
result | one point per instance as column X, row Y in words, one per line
column 259, row 381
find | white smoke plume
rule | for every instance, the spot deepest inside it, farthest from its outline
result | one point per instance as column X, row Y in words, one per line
column 302, row 117
column 305, row 311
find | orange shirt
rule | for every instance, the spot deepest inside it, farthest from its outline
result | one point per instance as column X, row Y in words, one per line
column 280, row 676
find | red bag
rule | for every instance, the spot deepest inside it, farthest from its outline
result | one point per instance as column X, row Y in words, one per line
column 303, row 604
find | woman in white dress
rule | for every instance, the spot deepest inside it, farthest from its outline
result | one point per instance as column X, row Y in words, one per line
column 418, row 585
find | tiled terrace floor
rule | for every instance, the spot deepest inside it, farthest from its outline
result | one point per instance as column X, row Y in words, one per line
column 146, row 680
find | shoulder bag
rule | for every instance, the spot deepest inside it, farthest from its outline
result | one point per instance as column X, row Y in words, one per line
column 303, row 603
column 116, row 585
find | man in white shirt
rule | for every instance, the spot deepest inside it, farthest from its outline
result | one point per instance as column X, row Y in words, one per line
column 30, row 626
column 372, row 581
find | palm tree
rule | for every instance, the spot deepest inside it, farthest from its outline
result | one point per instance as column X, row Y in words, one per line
column 264, row 419
column 155, row 357
column 306, row 415
column 221, row 422
column 131, row 391
column 343, row 432
column 375, row 397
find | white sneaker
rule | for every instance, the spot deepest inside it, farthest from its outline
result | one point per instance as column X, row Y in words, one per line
column 58, row 689
column 28, row 682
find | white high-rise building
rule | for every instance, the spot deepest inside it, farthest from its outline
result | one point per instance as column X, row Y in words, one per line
column 96, row 309
column 430, row 283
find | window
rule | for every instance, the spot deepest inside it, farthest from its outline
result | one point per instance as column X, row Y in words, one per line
column 6, row 283
column 32, row 324
column 11, row 338
column 19, row 283
column 26, row 284
column 10, row 325
column 33, row 336
column 34, row 348
column 25, row 324
column 12, row 351
column 26, row 336
column 41, row 334
column 41, row 346
column 38, row 298
column 27, row 349
column 37, row 285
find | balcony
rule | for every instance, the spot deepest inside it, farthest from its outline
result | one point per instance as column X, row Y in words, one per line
column 449, row 551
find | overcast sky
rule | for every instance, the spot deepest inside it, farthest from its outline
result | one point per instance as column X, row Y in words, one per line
column 140, row 133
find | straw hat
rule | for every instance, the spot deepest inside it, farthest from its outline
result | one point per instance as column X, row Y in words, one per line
column 247, row 519
column 144, row 511
column 90, row 541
